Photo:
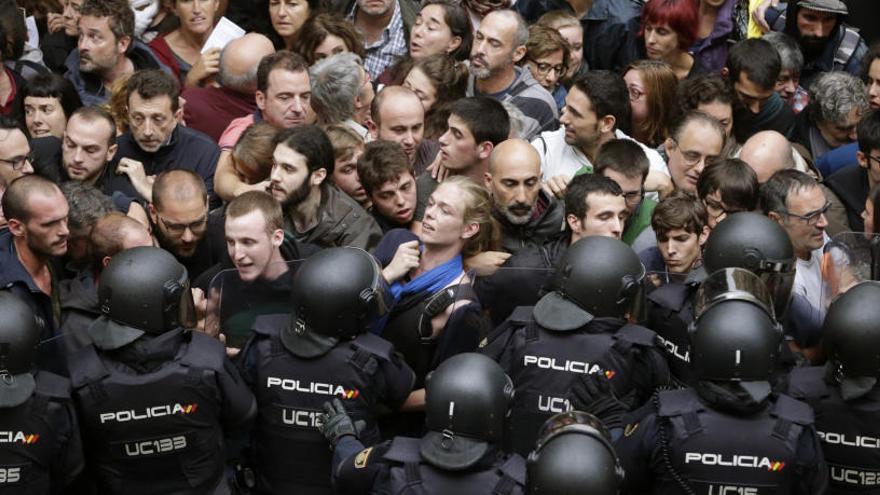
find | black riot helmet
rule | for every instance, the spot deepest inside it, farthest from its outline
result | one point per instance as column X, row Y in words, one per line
column 143, row 290
column 337, row 294
column 19, row 337
column 852, row 332
column 467, row 399
column 758, row 244
column 573, row 455
column 597, row 277
column 735, row 336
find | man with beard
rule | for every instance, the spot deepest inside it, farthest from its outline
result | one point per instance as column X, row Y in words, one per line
column 106, row 51
column 528, row 215
column 36, row 236
column 181, row 223
column 315, row 211
column 499, row 43
column 826, row 42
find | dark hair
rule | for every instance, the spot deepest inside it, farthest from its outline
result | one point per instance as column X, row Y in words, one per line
column 92, row 113
column 449, row 77
column 282, row 59
column 582, row 186
column 757, row 59
column 735, row 181
column 695, row 117
column 13, row 32
column 874, row 196
column 701, row 90
column 485, row 118
column 624, row 156
column 679, row 210
column 8, row 123
column 120, row 14
column 456, row 17
column 869, row 58
column 51, row 85
column 608, row 94
column 774, row 193
column 869, row 132
column 87, row 204
column 318, row 27
column 680, row 15
column 312, row 143
column 382, row 161
column 153, row 83
column 15, row 199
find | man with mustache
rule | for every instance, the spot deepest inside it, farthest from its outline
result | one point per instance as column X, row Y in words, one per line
column 106, row 50
column 827, row 43
column 527, row 214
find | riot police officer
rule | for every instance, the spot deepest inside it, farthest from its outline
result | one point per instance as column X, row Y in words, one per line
column 40, row 447
column 729, row 433
column 844, row 392
column 466, row 402
column 577, row 329
column 322, row 349
column 744, row 240
column 154, row 397
column 573, row 455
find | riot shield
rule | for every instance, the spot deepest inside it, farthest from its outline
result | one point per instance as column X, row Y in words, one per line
column 235, row 301
column 849, row 258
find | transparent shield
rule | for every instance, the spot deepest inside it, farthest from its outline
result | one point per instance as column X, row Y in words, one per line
column 235, row 300
column 849, row 258
column 508, row 288
column 733, row 284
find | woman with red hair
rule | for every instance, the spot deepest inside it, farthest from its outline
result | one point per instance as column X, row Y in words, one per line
column 669, row 28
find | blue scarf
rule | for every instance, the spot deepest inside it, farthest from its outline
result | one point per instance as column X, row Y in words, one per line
column 431, row 281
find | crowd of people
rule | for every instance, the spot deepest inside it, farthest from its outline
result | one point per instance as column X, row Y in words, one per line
column 487, row 246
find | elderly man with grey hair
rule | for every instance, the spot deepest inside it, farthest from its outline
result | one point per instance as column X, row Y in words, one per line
column 210, row 109
column 837, row 102
column 499, row 43
column 342, row 92
column 788, row 84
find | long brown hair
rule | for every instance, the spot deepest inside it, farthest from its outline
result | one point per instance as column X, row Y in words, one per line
column 661, row 87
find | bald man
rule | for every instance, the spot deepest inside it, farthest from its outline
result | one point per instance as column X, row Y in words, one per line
column 767, row 152
column 210, row 109
column 181, row 223
column 528, row 216
column 398, row 115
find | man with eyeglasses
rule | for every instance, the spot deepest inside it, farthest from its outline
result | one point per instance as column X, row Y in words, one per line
column 181, row 223
column 727, row 186
column 796, row 202
column 624, row 162
column 528, row 215
column 849, row 187
column 697, row 140
column 156, row 142
column 15, row 151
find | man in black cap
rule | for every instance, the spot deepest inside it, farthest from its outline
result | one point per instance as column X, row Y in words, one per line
column 321, row 350
column 826, row 42
column 466, row 401
column 578, row 329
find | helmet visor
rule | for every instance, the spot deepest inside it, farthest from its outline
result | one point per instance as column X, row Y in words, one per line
column 571, row 421
column 734, row 284
column 186, row 310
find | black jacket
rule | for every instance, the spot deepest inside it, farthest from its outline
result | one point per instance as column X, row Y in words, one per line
column 850, row 184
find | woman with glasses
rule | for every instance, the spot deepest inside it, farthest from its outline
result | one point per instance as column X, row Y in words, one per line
column 669, row 29
column 547, row 58
column 727, row 186
column 652, row 87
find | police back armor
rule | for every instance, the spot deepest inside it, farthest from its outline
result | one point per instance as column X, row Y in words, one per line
column 670, row 311
column 543, row 365
column 40, row 446
column 719, row 453
column 157, row 432
column 848, row 431
column 291, row 454
column 409, row 475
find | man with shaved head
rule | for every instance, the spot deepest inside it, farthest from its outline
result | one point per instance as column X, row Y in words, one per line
column 181, row 223
column 210, row 109
column 528, row 215
column 767, row 152
column 398, row 115
column 37, row 233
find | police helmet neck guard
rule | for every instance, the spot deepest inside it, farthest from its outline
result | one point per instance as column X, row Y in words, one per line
column 851, row 332
column 19, row 339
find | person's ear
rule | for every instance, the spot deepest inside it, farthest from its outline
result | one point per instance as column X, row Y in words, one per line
column 863, row 160
column 373, row 128
column 518, row 53
column 704, row 235
column 453, row 44
column 487, row 181
column 154, row 214
column 607, row 123
column 122, row 44
column 470, row 230
column 775, row 216
column 574, row 223
column 317, row 177
column 484, row 150
column 16, row 227
column 669, row 145
column 111, row 152
column 725, row 72
column 277, row 238
column 260, row 99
